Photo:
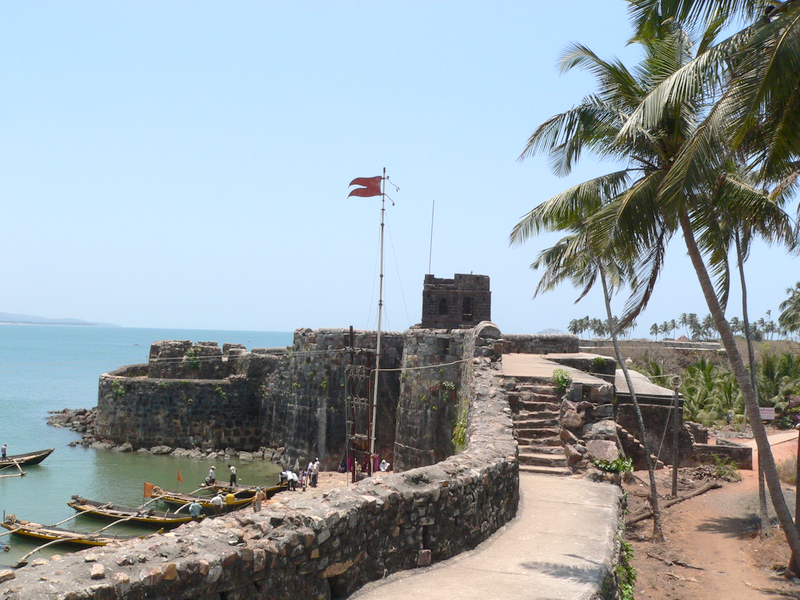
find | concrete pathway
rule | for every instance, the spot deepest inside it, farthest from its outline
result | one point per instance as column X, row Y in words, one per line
column 560, row 546
column 537, row 365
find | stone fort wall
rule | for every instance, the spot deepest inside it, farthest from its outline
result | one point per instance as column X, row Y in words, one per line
column 200, row 395
column 325, row 547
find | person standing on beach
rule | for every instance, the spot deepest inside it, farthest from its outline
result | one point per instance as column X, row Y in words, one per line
column 258, row 499
column 217, row 501
column 194, row 510
column 315, row 473
column 233, row 475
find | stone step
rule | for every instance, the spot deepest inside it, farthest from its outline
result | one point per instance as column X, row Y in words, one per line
column 537, row 459
column 536, row 387
column 545, row 441
column 538, row 393
column 560, row 471
column 539, row 449
column 535, row 433
column 538, row 407
column 528, row 421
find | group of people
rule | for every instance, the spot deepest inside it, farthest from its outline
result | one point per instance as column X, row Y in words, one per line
column 307, row 476
column 312, row 472
column 212, row 476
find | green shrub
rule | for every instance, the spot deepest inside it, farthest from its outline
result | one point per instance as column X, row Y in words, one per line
column 562, row 380
column 620, row 465
column 626, row 574
column 725, row 469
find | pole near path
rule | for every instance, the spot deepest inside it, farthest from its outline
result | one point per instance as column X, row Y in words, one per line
column 378, row 343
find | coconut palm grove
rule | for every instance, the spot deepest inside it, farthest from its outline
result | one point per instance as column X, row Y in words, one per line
column 703, row 139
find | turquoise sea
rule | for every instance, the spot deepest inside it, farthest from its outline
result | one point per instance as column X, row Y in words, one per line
column 48, row 368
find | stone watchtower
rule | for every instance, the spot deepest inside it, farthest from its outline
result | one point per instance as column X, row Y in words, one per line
column 463, row 301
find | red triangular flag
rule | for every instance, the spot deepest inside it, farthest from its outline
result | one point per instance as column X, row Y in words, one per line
column 148, row 490
column 372, row 186
column 179, row 476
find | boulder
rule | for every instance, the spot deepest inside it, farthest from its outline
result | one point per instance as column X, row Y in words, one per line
column 603, row 449
column 572, row 420
column 602, row 430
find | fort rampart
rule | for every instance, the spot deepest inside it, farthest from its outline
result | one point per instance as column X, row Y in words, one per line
column 200, row 395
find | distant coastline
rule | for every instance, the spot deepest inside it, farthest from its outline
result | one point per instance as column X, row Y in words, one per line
column 15, row 319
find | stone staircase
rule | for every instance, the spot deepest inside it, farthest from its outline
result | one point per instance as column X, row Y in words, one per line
column 536, row 409
column 634, row 448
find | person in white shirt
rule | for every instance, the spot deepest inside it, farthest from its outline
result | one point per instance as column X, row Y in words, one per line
column 315, row 473
column 218, row 501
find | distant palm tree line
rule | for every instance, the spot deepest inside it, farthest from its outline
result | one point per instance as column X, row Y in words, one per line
column 704, row 330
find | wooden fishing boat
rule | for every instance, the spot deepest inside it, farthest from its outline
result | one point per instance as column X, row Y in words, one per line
column 140, row 516
column 244, row 490
column 30, row 458
column 50, row 533
column 178, row 499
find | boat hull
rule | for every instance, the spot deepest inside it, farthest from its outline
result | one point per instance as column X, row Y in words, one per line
column 111, row 512
column 65, row 536
column 30, row 458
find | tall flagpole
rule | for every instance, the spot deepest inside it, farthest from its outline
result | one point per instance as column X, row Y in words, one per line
column 378, row 345
column 430, row 251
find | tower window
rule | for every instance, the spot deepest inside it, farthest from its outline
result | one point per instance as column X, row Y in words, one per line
column 466, row 308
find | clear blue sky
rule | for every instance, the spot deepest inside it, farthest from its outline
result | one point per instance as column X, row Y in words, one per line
column 186, row 164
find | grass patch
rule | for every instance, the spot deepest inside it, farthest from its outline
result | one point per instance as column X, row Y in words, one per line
column 787, row 471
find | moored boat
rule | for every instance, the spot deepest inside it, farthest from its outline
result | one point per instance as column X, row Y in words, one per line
column 245, row 490
column 29, row 458
column 178, row 499
column 50, row 533
column 139, row 515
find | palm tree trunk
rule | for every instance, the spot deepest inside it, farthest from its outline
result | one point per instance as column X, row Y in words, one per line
column 762, row 494
column 748, row 394
column 658, row 529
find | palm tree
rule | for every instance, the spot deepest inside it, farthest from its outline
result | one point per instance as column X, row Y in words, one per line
column 756, row 112
column 574, row 258
column 789, row 319
column 644, row 203
column 654, row 330
column 683, row 321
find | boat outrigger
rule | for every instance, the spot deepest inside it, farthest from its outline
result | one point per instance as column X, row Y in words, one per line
column 140, row 515
column 51, row 533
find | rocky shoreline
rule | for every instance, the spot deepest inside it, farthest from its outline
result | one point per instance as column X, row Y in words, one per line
column 82, row 420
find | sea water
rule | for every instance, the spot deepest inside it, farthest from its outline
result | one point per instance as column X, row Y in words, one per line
column 48, row 368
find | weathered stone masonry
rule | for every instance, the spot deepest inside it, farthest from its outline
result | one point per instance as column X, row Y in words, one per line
column 325, row 547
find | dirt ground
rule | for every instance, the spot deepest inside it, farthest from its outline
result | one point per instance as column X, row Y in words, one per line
column 713, row 549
